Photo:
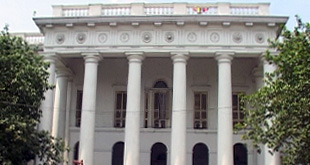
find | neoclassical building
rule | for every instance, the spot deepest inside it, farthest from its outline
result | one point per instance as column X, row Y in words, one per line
column 155, row 83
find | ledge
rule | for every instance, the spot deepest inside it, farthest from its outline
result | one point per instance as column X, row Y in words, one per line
column 163, row 19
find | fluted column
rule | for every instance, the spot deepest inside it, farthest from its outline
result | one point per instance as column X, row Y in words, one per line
column 275, row 158
column 132, row 128
column 47, row 103
column 178, row 129
column 59, row 116
column 87, row 130
column 225, row 126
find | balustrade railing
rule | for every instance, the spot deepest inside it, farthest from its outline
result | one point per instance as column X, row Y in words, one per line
column 244, row 11
column 208, row 10
column 115, row 10
column 162, row 9
column 75, row 12
column 31, row 38
column 158, row 9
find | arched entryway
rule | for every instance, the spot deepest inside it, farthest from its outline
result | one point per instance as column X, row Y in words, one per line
column 76, row 151
column 118, row 153
column 159, row 154
column 240, row 154
column 200, row 154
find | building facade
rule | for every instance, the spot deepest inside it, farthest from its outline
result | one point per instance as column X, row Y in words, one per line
column 155, row 83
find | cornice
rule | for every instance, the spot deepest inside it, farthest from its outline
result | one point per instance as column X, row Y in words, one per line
column 154, row 52
column 93, row 20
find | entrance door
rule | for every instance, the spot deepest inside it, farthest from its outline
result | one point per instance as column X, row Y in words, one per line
column 159, row 154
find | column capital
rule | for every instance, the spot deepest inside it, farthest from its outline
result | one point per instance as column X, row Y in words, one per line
column 63, row 72
column 224, row 56
column 179, row 56
column 135, row 56
column 92, row 57
column 258, row 72
column 271, row 52
column 50, row 57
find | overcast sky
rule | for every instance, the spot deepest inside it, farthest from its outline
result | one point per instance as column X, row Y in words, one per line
column 18, row 13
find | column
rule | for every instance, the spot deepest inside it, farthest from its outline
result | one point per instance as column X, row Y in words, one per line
column 178, row 129
column 67, row 123
column 258, row 77
column 47, row 103
column 132, row 127
column 59, row 116
column 225, row 126
column 275, row 158
column 87, row 129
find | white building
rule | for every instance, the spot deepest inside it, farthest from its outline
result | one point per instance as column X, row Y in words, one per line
column 159, row 81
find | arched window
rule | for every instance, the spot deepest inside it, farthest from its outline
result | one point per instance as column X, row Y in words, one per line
column 159, row 154
column 118, row 153
column 76, row 151
column 160, row 84
column 161, row 105
column 240, row 154
column 200, row 154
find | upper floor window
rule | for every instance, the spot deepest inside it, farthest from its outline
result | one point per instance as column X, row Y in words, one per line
column 157, row 106
column 236, row 108
column 78, row 112
column 160, row 84
column 120, row 109
column 200, row 110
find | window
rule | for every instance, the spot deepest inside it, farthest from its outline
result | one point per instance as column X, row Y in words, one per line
column 236, row 108
column 200, row 154
column 78, row 113
column 240, row 154
column 161, row 113
column 159, row 154
column 120, row 109
column 146, row 110
column 157, row 106
column 200, row 110
column 118, row 153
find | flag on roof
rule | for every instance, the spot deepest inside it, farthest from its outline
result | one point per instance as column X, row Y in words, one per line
column 200, row 10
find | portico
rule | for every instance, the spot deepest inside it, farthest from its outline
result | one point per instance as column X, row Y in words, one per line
column 156, row 79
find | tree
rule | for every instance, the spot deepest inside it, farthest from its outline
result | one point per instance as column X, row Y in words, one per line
column 23, row 83
column 279, row 113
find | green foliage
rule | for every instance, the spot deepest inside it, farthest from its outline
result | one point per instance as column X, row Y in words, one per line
column 23, row 83
column 279, row 113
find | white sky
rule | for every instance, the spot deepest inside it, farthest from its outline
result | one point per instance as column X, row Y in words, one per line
column 18, row 13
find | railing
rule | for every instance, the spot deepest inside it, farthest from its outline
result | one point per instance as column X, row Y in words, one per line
column 209, row 11
column 115, row 10
column 31, row 38
column 144, row 9
column 73, row 12
column 158, row 10
column 244, row 10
